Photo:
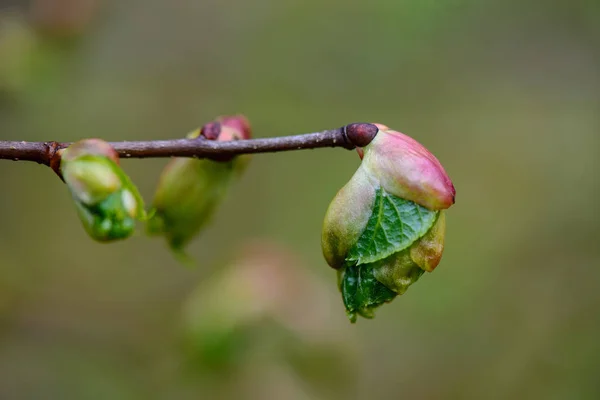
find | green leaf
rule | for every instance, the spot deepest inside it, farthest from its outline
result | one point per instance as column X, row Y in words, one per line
column 379, row 267
column 361, row 292
column 394, row 225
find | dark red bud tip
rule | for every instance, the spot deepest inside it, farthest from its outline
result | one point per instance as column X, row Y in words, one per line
column 211, row 131
column 360, row 134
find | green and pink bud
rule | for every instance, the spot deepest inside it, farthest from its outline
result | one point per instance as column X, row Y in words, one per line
column 386, row 226
column 107, row 202
column 190, row 190
column 236, row 127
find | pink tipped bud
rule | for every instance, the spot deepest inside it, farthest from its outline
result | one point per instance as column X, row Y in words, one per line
column 226, row 128
column 405, row 168
column 234, row 127
column 189, row 191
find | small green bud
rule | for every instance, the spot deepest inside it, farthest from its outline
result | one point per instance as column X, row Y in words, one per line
column 91, row 178
column 189, row 190
column 107, row 202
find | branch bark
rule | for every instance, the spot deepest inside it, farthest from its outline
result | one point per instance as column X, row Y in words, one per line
column 48, row 153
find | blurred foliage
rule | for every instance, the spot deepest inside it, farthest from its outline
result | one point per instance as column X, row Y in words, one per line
column 267, row 307
column 505, row 93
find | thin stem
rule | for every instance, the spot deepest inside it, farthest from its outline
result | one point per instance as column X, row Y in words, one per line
column 47, row 153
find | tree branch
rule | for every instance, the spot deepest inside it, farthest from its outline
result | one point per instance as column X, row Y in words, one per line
column 48, row 153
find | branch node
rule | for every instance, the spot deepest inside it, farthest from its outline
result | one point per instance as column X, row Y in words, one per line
column 52, row 157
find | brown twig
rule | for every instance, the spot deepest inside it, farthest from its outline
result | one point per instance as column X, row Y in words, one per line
column 48, row 153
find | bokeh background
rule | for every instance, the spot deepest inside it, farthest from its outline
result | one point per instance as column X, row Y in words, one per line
column 505, row 93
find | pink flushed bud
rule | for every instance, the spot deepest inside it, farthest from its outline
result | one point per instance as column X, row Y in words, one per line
column 405, row 168
column 386, row 226
column 224, row 129
column 234, row 127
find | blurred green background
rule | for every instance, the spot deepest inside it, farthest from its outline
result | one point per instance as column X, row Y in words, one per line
column 505, row 93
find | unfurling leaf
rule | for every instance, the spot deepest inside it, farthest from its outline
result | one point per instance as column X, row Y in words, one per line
column 366, row 283
column 394, row 225
column 190, row 190
column 107, row 202
column 386, row 226
column 361, row 291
